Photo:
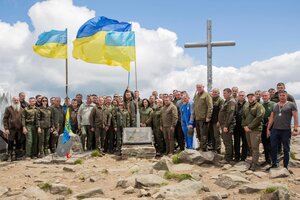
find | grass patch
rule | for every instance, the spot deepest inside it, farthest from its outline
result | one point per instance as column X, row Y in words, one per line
column 293, row 156
column 177, row 177
column 270, row 189
column 82, row 178
column 70, row 191
column 163, row 184
column 175, row 159
column 104, row 171
column 78, row 161
column 44, row 186
column 96, row 153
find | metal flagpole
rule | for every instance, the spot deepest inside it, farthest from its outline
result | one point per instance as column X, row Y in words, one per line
column 138, row 124
column 67, row 66
column 128, row 82
column 66, row 77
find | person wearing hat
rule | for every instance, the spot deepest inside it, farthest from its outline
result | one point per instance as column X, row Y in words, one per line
column 252, row 123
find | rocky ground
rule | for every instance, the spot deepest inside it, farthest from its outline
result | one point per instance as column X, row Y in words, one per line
column 194, row 176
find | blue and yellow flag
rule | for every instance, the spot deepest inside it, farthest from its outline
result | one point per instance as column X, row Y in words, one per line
column 105, row 41
column 68, row 127
column 52, row 44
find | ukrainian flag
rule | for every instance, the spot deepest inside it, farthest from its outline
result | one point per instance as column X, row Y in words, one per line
column 68, row 127
column 105, row 41
column 52, row 44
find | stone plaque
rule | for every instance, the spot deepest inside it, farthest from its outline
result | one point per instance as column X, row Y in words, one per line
column 63, row 149
column 133, row 135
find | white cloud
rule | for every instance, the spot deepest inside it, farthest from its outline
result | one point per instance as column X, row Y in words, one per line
column 162, row 64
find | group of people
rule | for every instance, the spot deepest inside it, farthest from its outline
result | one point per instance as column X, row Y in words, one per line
column 33, row 128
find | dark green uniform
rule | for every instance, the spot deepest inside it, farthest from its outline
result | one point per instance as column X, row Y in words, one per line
column 227, row 120
column 154, row 122
column 266, row 140
column 29, row 122
column 58, row 124
column 123, row 121
column 203, row 108
column 44, row 122
column 213, row 129
column 145, row 114
column 130, row 106
column 169, row 117
column 99, row 121
column 112, row 125
column 252, row 118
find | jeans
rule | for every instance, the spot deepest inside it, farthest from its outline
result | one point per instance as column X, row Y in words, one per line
column 280, row 137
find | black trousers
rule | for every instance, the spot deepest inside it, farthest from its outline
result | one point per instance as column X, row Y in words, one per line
column 179, row 136
column 239, row 134
column 267, row 144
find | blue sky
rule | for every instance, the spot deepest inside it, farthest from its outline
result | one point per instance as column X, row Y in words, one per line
column 261, row 29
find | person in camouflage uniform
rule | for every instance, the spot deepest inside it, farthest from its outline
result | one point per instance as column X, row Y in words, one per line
column 29, row 128
column 130, row 105
column 123, row 121
column 112, row 126
column 227, row 123
column 45, row 125
column 155, row 122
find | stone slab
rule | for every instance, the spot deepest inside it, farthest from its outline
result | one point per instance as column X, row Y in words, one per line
column 135, row 135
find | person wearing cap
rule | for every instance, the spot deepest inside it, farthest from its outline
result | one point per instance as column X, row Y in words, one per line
column 279, row 127
column 252, row 123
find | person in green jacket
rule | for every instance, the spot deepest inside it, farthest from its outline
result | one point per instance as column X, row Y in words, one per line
column 45, row 125
column 29, row 128
column 268, row 105
column 203, row 108
column 252, row 123
column 145, row 112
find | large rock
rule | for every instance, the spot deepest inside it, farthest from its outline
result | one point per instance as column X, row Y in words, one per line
column 241, row 166
column 149, row 180
column 257, row 187
column 279, row 173
column 60, row 189
column 95, row 192
column 198, row 157
column 183, row 190
column 164, row 163
column 279, row 194
column 229, row 181
column 35, row 193
column 212, row 196
column 260, row 174
column 126, row 182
